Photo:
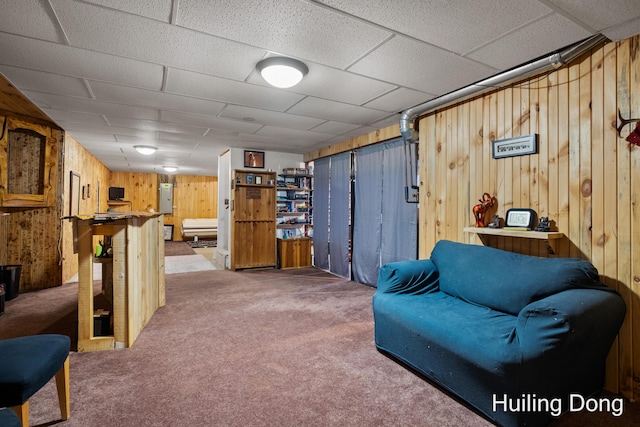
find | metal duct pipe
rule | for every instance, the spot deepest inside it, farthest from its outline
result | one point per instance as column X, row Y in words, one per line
column 556, row 60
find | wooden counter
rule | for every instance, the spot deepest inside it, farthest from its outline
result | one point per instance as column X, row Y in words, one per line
column 136, row 271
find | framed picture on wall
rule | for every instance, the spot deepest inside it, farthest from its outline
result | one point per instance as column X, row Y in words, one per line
column 74, row 194
column 253, row 159
column 168, row 232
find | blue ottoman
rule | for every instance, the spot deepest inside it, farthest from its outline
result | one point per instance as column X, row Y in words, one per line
column 28, row 363
column 9, row 418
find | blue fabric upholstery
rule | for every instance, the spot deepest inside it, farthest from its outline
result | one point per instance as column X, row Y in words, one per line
column 28, row 363
column 506, row 281
column 544, row 338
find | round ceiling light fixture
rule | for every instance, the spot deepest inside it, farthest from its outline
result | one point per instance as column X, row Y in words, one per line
column 170, row 168
column 145, row 149
column 282, row 72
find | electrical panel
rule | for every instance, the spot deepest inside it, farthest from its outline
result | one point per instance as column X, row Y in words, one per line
column 166, row 198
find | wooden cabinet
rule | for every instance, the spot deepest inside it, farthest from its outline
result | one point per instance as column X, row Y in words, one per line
column 294, row 253
column 253, row 219
column 28, row 164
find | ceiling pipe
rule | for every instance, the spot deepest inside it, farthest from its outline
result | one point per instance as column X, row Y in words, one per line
column 409, row 131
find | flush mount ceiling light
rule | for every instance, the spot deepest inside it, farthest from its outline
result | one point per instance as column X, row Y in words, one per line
column 170, row 168
column 145, row 149
column 282, row 72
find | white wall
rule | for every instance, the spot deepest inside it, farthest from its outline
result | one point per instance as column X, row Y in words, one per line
column 274, row 160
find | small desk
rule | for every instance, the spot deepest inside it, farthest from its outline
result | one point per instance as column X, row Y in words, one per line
column 136, row 271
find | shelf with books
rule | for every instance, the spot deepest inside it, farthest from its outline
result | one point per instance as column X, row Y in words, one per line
column 294, row 204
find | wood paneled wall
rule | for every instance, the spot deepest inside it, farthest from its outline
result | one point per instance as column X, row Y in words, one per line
column 584, row 177
column 29, row 236
column 93, row 176
column 194, row 196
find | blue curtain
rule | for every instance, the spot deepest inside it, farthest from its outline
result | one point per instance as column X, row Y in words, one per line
column 385, row 226
column 367, row 225
column 321, row 213
column 399, row 218
column 339, row 199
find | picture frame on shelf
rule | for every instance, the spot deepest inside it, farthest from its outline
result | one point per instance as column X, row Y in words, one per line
column 520, row 219
column 258, row 179
column 254, row 159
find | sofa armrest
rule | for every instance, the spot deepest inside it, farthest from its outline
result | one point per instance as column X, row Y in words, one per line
column 578, row 323
column 408, row 277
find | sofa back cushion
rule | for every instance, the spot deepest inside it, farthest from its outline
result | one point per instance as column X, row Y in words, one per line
column 507, row 281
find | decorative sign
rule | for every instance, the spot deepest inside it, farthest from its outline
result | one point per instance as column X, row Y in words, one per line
column 517, row 146
column 253, row 193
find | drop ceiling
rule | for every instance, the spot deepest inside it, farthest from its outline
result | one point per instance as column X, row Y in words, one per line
column 180, row 74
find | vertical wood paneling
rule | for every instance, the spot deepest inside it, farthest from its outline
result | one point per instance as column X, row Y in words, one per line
column 623, row 222
column 32, row 234
column 584, row 177
column 194, row 196
column 634, row 111
column 93, row 174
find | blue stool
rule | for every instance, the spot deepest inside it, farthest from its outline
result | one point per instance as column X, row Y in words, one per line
column 27, row 364
column 9, row 418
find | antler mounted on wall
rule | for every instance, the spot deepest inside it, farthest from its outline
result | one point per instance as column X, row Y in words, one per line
column 634, row 136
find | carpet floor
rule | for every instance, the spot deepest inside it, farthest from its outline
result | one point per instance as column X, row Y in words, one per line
column 175, row 248
column 248, row 348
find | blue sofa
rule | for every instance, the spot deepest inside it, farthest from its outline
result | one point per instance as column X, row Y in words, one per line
column 514, row 336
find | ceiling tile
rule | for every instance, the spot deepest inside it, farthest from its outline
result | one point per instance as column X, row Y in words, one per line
column 30, row 18
column 141, row 135
column 59, row 59
column 339, row 112
column 399, row 100
column 293, row 137
column 230, row 91
column 626, row 30
column 49, row 102
column 600, row 15
column 290, row 27
column 76, row 117
column 430, row 69
column 131, row 36
column 213, row 123
column 474, row 22
column 335, row 128
column 160, row 10
column 272, row 118
column 154, row 99
column 45, row 82
column 540, row 38
column 91, row 136
column 153, row 125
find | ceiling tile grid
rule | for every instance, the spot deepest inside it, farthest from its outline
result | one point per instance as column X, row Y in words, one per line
column 180, row 74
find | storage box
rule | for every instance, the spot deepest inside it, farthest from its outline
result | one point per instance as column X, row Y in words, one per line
column 101, row 323
column 10, row 276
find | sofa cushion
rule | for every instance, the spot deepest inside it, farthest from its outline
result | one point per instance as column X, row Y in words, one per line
column 507, row 281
